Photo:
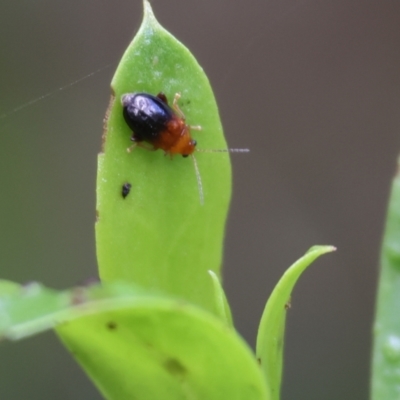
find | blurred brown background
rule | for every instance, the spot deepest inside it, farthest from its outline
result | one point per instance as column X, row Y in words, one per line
column 312, row 88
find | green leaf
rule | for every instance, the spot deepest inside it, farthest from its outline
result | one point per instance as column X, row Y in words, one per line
column 385, row 382
column 164, row 350
column 138, row 345
column 270, row 338
column 33, row 308
column 160, row 236
column 8, row 287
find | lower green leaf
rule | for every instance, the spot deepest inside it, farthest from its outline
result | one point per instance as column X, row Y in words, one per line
column 164, row 350
column 135, row 344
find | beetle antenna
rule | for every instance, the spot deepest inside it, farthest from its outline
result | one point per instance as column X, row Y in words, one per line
column 223, row 150
column 198, row 177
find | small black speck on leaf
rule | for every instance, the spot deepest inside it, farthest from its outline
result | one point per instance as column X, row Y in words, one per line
column 111, row 325
column 126, row 188
column 288, row 304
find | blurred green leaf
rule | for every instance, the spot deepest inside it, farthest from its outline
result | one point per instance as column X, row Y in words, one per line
column 270, row 338
column 8, row 287
column 137, row 345
column 160, row 236
column 163, row 349
column 385, row 382
column 33, row 308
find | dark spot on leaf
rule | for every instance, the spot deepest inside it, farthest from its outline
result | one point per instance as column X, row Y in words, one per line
column 111, row 325
column 175, row 367
column 126, row 188
column 259, row 361
column 288, row 304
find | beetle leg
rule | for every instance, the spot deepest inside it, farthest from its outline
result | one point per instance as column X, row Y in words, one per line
column 141, row 145
column 138, row 142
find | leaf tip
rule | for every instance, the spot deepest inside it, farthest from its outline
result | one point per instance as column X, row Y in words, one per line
column 148, row 11
column 322, row 249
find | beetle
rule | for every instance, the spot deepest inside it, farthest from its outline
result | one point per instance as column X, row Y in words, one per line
column 152, row 120
column 164, row 127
